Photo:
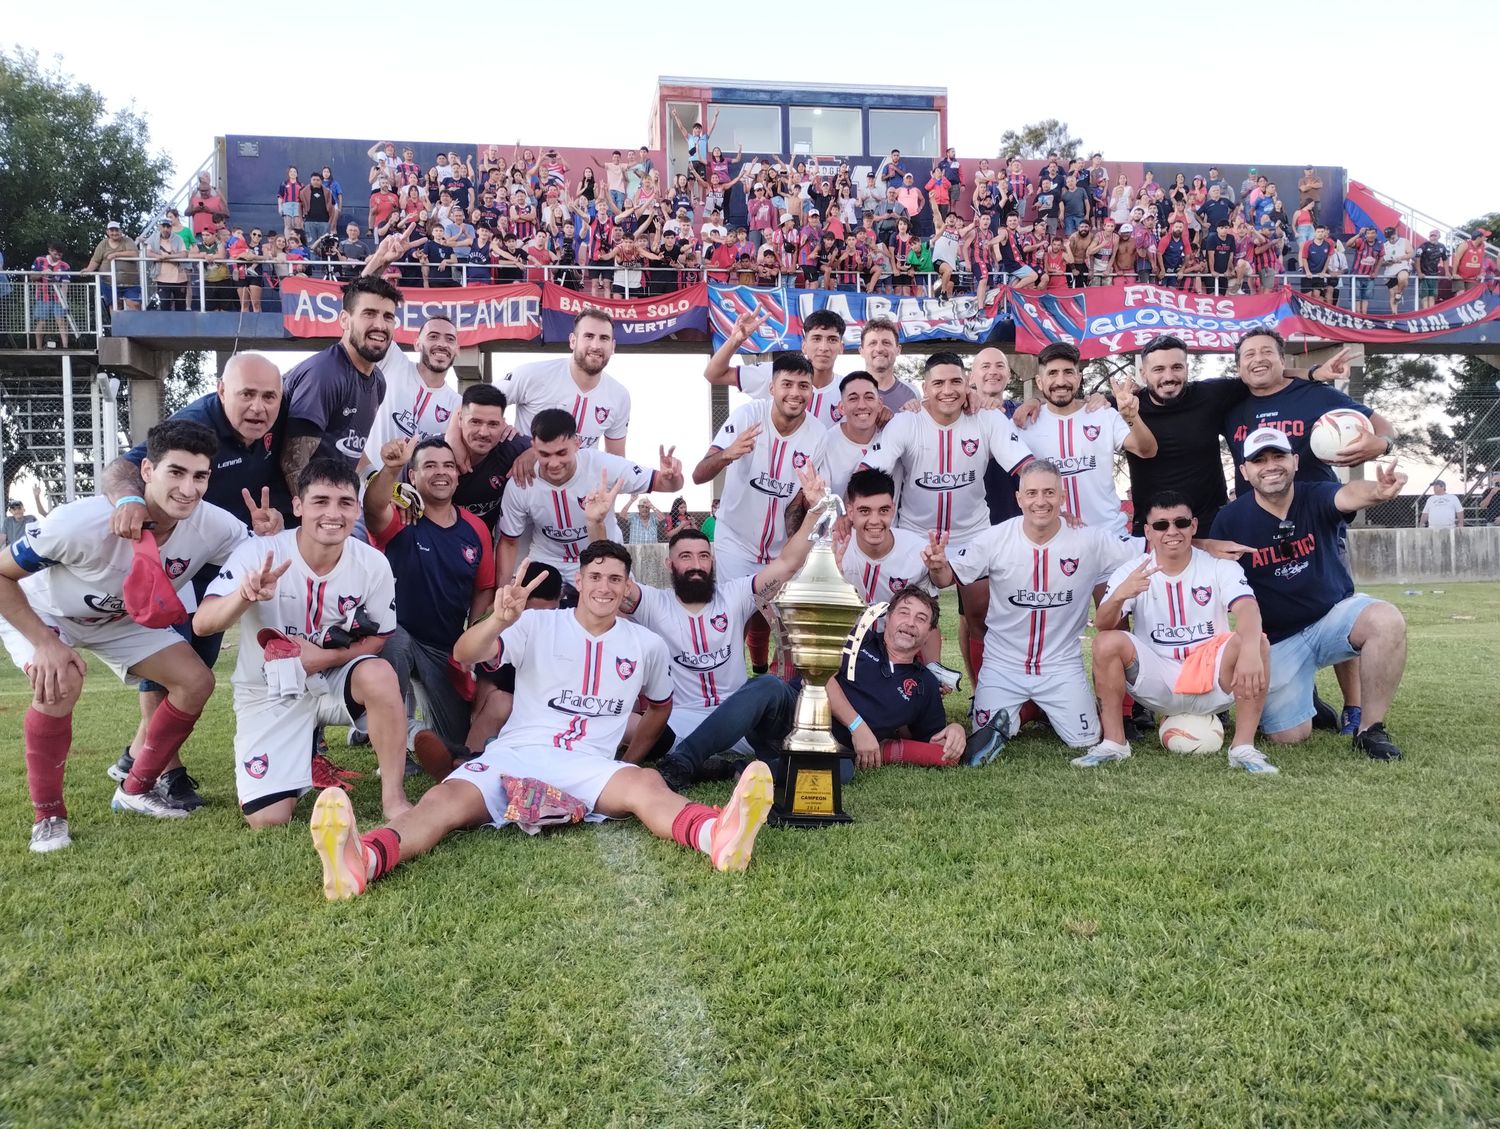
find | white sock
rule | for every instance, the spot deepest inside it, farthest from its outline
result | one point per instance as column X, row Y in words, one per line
column 369, row 863
column 706, row 835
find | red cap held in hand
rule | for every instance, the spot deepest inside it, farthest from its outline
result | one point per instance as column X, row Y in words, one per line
column 148, row 594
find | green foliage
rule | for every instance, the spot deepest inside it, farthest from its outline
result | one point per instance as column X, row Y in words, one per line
column 67, row 166
column 191, row 377
column 1038, row 139
column 1157, row 943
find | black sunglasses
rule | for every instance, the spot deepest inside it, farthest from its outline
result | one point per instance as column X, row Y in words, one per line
column 1286, row 530
column 1161, row 525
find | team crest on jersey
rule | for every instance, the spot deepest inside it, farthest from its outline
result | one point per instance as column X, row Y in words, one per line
column 1090, row 432
column 441, row 414
column 495, row 481
column 471, row 554
column 971, row 446
column 266, row 441
column 600, row 414
column 625, row 667
column 908, row 688
column 720, row 622
column 898, row 583
column 799, row 460
column 174, row 566
column 475, row 766
column 1203, row 595
column 836, row 413
column 347, row 604
column 258, row 766
column 981, row 718
column 1069, row 565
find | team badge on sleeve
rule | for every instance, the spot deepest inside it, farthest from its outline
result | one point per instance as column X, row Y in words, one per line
column 625, row 667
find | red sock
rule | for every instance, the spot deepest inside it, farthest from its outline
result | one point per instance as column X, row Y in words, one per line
column 758, row 641
column 1029, row 711
column 689, row 821
column 384, row 846
column 925, row 753
column 47, row 741
column 1126, row 705
column 165, row 732
column 976, row 653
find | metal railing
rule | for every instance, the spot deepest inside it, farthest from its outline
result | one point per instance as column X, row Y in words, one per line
column 49, row 310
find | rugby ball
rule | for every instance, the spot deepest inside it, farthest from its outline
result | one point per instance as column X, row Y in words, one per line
column 1335, row 430
column 1191, row 733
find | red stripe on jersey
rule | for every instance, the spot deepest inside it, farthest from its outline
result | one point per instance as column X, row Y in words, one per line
column 580, row 408
column 588, row 662
column 598, row 666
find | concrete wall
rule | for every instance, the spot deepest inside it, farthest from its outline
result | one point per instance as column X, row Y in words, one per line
column 1400, row 556
column 650, row 566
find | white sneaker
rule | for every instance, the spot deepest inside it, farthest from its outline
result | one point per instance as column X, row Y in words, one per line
column 1252, row 760
column 147, row 803
column 50, row 834
column 1102, row 753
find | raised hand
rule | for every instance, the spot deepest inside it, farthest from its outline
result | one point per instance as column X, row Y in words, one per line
column 743, row 444
column 510, row 599
column 260, row 583
column 1335, row 367
column 1139, row 578
column 935, row 554
column 396, row 453
column 264, row 520
column 843, row 533
column 599, row 504
column 1388, row 481
column 1125, row 397
column 669, row 469
column 747, row 325
column 813, row 486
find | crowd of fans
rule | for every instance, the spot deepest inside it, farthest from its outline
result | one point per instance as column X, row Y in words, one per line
column 626, row 228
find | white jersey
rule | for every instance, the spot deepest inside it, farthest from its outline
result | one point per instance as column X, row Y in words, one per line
column 574, row 690
column 940, row 469
column 410, row 407
column 880, row 578
column 1083, row 446
column 758, row 486
column 825, row 404
column 1039, row 594
column 1177, row 612
column 306, row 604
column 841, row 457
column 556, row 512
column 601, row 412
column 706, row 648
column 1442, row 510
column 78, row 566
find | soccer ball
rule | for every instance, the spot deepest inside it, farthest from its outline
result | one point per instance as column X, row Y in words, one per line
column 1191, row 733
column 1335, row 430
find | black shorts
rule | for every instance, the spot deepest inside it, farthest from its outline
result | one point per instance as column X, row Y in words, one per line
column 502, row 677
column 1315, row 282
column 1394, row 281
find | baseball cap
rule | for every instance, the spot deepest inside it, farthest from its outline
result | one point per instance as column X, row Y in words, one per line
column 112, row 225
column 1440, row 482
column 16, row 504
column 1124, row 227
column 1482, row 232
column 148, row 594
column 1264, row 439
column 787, row 217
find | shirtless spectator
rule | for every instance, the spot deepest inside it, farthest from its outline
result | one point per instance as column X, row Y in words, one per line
column 1126, row 252
column 1101, row 253
column 1076, row 252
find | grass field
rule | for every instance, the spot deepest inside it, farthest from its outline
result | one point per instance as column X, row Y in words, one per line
column 1158, row 943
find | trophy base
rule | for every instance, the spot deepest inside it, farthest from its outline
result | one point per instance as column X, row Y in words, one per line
column 811, row 793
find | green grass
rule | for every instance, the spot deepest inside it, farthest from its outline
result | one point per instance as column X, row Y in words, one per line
column 1158, row 943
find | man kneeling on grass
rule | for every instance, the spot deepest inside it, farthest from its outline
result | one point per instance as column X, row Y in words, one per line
column 889, row 712
column 314, row 606
column 579, row 672
column 1179, row 655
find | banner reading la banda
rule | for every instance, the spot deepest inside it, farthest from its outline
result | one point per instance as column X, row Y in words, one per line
column 310, row 308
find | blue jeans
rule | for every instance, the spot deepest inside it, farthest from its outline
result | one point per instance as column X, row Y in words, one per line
column 761, row 711
column 312, row 231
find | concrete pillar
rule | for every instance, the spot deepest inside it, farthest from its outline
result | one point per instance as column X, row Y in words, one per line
column 1023, row 369
column 471, row 366
column 145, row 408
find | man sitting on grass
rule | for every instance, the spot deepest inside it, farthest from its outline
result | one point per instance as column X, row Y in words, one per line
column 579, row 672
column 70, row 582
column 314, row 605
column 1178, row 655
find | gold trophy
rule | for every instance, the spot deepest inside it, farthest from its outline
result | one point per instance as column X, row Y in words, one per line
column 817, row 608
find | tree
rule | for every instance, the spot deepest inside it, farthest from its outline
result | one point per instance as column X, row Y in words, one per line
column 189, row 379
column 1038, row 139
column 68, row 166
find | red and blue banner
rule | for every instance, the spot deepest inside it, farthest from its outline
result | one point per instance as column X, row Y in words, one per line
column 681, row 313
column 1333, row 323
column 918, row 319
column 310, row 308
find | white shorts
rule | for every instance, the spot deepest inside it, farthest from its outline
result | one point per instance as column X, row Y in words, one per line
column 1066, row 697
column 581, row 775
column 686, row 719
column 273, row 736
column 730, row 565
column 1156, row 676
column 119, row 644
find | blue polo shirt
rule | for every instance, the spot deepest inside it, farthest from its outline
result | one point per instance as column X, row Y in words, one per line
column 1296, row 574
column 237, row 465
column 327, row 397
column 890, row 696
column 438, row 569
column 1292, row 411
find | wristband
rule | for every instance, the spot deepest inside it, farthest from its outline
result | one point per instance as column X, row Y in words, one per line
column 1390, row 443
column 855, row 724
column 136, row 498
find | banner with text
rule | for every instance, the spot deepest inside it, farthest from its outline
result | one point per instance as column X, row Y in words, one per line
column 1319, row 319
column 310, row 308
column 785, row 308
column 636, row 320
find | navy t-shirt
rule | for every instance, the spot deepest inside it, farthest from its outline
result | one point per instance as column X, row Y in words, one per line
column 1296, row 574
column 480, row 490
column 1000, row 485
column 438, row 569
column 890, row 696
column 237, row 465
column 327, row 397
column 1292, row 411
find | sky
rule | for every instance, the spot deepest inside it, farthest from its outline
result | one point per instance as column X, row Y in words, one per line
column 1340, row 90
